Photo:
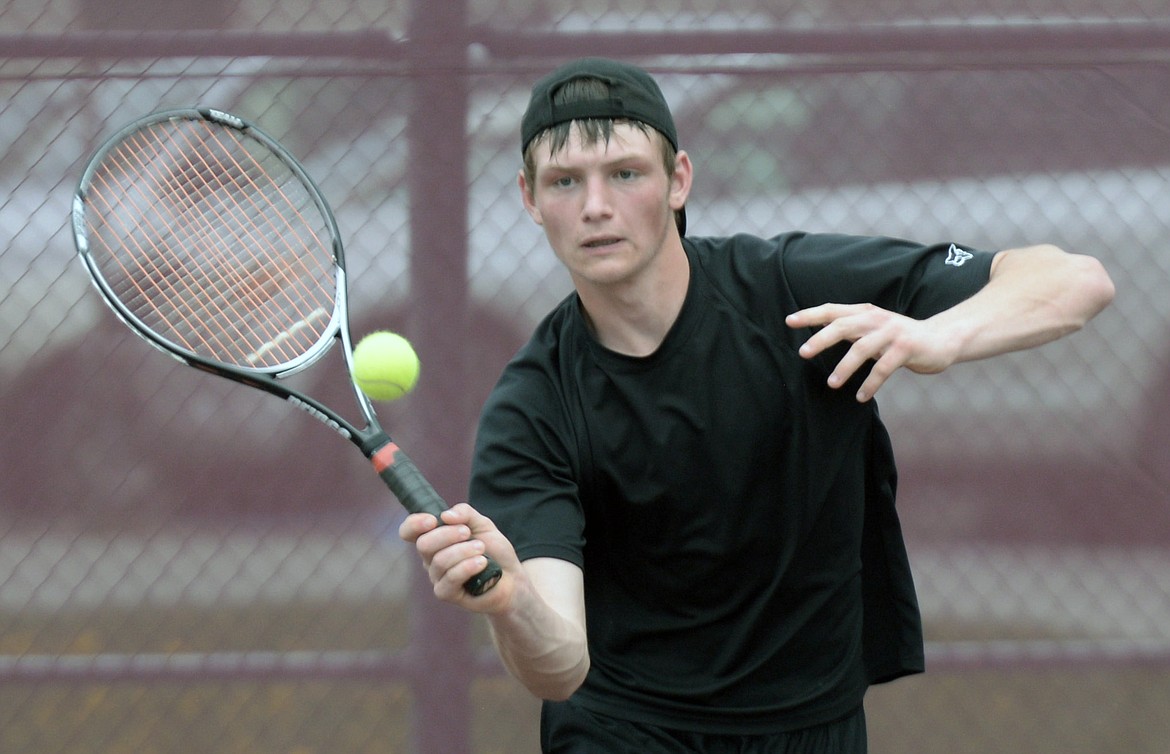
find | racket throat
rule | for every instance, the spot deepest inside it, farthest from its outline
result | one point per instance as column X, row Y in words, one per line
column 315, row 411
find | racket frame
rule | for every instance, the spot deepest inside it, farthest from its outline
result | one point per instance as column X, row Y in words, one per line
column 396, row 470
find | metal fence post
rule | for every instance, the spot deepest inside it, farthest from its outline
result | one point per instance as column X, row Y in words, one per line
column 438, row 247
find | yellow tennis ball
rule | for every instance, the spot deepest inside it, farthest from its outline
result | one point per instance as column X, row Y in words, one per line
column 385, row 366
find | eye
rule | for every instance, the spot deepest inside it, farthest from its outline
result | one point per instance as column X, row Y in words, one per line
column 627, row 174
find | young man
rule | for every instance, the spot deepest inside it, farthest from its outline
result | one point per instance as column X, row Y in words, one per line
column 683, row 474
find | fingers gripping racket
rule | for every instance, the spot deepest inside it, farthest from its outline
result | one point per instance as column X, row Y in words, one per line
column 209, row 240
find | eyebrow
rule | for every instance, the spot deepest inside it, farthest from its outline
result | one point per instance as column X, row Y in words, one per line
column 604, row 164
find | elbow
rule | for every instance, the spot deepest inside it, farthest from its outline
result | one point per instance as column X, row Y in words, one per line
column 561, row 687
column 558, row 693
column 1096, row 287
column 1080, row 286
column 1105, row 288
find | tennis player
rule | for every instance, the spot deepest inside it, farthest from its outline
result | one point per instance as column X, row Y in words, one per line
column 683, row 473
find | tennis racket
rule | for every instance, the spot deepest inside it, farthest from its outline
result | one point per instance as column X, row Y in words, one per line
column 209, row 240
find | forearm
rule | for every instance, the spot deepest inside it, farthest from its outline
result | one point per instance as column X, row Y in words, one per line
column 1035, row 295
column 537, row 610
column 541, row 643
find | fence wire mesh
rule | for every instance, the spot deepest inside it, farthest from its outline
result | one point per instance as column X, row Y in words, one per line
column 186, row 565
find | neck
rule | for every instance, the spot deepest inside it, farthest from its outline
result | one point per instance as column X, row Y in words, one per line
column 633, row 317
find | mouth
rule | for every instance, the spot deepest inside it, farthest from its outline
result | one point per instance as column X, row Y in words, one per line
column 602, row 242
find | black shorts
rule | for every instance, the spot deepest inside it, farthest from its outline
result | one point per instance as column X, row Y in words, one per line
column 567, row 728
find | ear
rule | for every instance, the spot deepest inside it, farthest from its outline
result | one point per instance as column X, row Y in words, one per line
column 529, row 199
column 680, row 180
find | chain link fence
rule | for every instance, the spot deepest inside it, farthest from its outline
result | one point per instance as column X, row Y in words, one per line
column 188, row 566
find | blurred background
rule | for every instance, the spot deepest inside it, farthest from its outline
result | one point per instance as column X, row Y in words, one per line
column 190, row 566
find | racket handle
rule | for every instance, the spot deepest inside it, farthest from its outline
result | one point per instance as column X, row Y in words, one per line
column 418, row 496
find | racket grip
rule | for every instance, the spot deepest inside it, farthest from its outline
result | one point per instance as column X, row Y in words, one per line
column 418, row 496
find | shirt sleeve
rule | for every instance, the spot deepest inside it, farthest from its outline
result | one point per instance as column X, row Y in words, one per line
column 523, row 473
column 909, row 278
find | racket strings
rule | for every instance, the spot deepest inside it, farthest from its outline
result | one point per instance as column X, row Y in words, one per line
column 241, row 281
column 214, row 241
column 224, row 288
column 173, row 286
column 263, row 208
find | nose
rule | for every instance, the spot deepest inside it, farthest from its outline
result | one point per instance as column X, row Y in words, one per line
column 598, row 202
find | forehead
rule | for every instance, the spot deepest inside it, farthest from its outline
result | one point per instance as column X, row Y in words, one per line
column 625, row 141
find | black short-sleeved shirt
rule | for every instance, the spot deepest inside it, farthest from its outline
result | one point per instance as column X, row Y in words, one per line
column 733, row 516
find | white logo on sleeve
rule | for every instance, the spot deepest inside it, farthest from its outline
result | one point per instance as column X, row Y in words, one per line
column 956, row 257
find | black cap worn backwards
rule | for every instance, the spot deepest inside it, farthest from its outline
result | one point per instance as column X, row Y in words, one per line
column 633, row 95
